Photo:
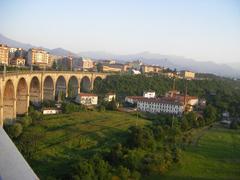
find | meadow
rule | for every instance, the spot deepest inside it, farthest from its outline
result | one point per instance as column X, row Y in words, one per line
column 215, row 154
column 67, row 137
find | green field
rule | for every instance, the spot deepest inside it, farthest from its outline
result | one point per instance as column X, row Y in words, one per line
column 213, row 155
column 67, row 137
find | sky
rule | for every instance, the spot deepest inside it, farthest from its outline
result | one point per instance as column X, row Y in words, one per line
column 205, row 30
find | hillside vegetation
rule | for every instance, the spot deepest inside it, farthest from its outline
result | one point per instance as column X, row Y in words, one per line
column 214, row 154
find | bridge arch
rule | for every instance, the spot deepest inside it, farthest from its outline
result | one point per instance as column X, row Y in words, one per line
column 61, row 88
column 85, row 84
column 22, row 97
column 48, row 88
column 73, row 86
column 35, row 90
column 9, row 100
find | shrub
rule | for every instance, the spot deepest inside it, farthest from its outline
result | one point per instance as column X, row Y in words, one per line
column 26, row 121
column 14, row 130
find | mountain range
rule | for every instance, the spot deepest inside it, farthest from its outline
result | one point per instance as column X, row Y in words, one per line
column 168, row 61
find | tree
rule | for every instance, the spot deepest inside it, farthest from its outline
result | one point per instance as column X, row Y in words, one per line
column 139, row 137
column 101, row 168
column 116, row 154
column 133, row 159
column 54, row 65
column 123, row 173
column 210, row 114
column 83, row 170
column 184, row 124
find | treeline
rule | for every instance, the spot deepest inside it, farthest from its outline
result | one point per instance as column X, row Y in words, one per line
column 222, row 93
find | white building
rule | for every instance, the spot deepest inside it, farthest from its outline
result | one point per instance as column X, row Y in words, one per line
column 87, row 99
column 48, row 111
column 149, row 94
column 159, row 105
column 110, row 96
column 82, row 63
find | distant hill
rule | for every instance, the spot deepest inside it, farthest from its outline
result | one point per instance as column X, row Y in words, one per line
column 170, row 61
column 13, row 43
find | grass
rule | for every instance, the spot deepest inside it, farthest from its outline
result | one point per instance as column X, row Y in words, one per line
column 216, row 155
column 67, row 137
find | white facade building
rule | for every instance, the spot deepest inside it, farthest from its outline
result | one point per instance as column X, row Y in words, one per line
column 149, row 94
column 87, row 99
column 160, row 106
column 50, row 111
column 110, row 96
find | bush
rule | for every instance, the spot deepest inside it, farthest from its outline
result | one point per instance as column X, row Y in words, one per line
column 36, row 115
column 26, row 121
column 14, row 130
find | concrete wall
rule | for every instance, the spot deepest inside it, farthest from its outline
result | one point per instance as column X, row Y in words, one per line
column 12, row 164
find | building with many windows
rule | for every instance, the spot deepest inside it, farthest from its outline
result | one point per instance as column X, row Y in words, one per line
column 38, row 57
column 187, row 74
column 4, row 51
column 160, row 105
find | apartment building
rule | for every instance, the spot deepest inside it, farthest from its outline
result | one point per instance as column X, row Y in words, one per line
column 4, row 52
column 151, row 69
column 38, row 57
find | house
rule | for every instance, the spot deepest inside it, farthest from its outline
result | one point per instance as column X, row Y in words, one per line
column 48, row 111
column 149, row 94
column 110, row 96
column 87, row 99
column 135, row 72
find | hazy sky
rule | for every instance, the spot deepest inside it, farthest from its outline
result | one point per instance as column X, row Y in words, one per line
column 200, row 29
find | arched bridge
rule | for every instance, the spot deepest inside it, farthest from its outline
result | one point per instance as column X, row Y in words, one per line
column 18, row 89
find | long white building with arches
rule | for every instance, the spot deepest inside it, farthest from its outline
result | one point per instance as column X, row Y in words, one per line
column 18, row 89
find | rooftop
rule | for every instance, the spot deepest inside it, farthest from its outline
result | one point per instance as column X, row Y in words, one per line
column 86, row 94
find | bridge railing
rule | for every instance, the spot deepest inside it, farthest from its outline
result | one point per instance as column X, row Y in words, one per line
column 10, row 73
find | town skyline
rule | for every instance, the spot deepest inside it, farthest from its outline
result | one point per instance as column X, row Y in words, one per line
column 204, row 31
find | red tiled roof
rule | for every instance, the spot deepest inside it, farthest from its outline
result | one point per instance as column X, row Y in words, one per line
column 86, row 94
column 136, row 97
column 163, row 100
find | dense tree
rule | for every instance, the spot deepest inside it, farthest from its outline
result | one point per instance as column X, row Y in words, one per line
column 210, row 114
column 83, row 170
column 141, row 138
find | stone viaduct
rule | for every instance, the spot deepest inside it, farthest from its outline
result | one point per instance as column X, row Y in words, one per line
column 18, row 89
